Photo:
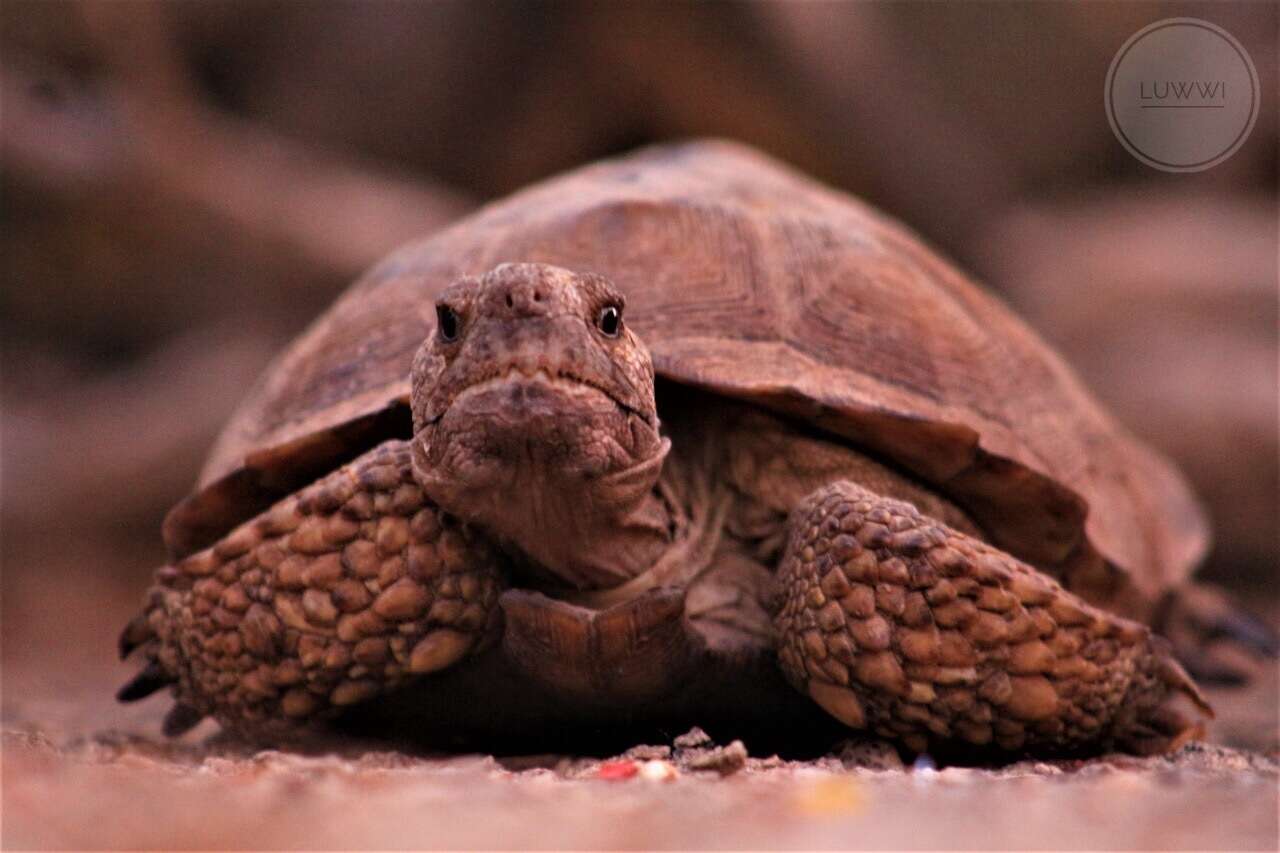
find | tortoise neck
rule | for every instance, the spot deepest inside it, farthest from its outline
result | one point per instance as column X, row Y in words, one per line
column 590, row 533
column 586, row 532
column 572, row 544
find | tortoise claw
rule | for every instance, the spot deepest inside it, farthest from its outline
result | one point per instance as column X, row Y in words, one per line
column 151, row 679
column 1219, row 641
column 1246, row 630
column 135, row 634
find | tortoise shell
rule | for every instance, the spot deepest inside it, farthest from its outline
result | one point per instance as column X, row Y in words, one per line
column 751, row 281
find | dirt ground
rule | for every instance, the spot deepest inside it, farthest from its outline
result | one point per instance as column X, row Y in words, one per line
column 130, row 794
column 80, row 771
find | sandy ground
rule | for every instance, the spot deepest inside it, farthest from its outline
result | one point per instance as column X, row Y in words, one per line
column 131, row 794
column 80, row 771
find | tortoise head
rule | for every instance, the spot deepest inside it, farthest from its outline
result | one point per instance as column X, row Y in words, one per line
column 533, row 403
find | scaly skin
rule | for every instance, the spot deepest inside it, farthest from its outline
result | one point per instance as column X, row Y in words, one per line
column 895, row 623
column 342, row 590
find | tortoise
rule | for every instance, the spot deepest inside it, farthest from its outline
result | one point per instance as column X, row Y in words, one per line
column 678, row 436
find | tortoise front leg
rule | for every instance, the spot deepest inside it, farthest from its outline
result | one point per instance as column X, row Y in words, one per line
column 894, row 622
column 345, row 589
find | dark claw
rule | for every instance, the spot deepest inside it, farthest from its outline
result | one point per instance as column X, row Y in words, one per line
column 1248, row 631
column 148, row 681
column 180, row 720
column 137, row 632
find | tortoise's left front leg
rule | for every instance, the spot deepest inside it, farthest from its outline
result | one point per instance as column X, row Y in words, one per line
column 897, row 623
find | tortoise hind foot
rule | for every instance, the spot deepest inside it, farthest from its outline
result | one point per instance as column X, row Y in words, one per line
column 345, row 589
column 894, row 622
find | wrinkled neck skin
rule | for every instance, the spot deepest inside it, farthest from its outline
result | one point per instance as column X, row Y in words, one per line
column 569, row 527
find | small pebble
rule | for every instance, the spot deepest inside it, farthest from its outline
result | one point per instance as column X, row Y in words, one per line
column 648, row 752
column 723, row 760
column 868, row 754
column 693, row 738
column 617, row 770
column 923, row 770
column 658, row 770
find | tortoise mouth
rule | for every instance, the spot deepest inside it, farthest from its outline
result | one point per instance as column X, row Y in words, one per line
column 533, row 387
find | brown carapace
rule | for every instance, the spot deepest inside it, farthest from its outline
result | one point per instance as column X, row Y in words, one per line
column 649, row 441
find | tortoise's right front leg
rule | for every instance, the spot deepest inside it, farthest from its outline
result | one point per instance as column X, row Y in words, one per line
column 345, row 589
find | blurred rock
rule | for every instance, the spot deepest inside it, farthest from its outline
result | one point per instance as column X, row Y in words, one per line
column 1166, row 303
column 109, row 451
column 135, row 209
column 948, row 114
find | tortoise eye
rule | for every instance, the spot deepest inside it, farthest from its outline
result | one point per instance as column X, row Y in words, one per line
column 610, row 321
column 447, row 322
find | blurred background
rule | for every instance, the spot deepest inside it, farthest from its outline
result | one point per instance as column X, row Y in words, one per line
column 186, row 185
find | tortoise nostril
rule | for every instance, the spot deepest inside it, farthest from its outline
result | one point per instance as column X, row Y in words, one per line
column 523, row 299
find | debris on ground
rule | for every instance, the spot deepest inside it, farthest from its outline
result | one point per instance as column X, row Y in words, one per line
column 695, row 750
column 617, row 770
column 868, row 754
column 85, row 794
